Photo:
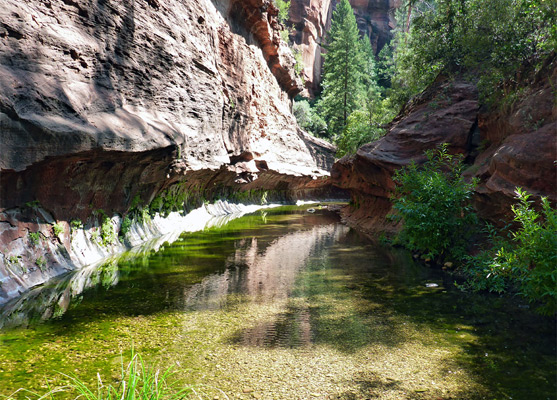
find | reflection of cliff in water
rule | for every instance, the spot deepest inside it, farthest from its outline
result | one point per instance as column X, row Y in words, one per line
column 264, row 274
column 54, row 298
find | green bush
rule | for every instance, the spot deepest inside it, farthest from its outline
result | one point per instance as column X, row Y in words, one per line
column 126, row 225
column 41, row 263
column 298, row 57
column 491, row 38
column 433, row 202
column 528, row 262
column 308, row 119
column 76, row 224
column 283, row 8
column 358, row 131
column 108, row 231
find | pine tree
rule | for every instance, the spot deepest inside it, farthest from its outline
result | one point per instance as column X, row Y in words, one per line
column 344, row 68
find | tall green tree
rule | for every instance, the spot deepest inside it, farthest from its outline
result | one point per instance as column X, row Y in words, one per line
column 363, row 124
column 343, row 69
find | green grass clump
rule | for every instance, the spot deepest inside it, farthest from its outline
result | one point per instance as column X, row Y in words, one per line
column 58, row 229
column 76, row 224
column 35, row 237
column 138, row 381
column 41, row 263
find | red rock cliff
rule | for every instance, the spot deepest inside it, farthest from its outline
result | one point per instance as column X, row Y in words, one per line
column 105, row 101
column 509, row 148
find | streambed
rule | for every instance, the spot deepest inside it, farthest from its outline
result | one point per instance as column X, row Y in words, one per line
column 281, row 304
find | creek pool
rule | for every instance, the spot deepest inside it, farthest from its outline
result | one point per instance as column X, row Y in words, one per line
column 280, row 304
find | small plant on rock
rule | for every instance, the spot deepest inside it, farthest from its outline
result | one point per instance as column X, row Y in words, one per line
column 76, row 224
column 58, row 229
column 14, row 260
column 41, row 263
column 95, row 236
column 108, row 231
column 35, row 237
column 126, row 225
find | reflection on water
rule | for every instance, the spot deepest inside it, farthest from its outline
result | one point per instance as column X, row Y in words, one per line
column 52, row 299
column 287, row 281
column 263, row 275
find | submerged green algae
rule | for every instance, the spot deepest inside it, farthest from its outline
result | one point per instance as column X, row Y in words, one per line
column 287, row 304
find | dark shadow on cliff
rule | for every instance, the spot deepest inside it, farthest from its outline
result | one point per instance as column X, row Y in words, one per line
column 321, row 151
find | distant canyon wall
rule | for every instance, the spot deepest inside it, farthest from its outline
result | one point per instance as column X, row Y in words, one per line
column 311, row 19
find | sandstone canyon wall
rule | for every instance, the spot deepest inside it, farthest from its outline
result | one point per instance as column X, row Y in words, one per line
column 514, row 146
column 108, row 103
column 310, row 20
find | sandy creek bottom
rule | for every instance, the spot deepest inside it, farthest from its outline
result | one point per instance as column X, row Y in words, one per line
column 281, row 304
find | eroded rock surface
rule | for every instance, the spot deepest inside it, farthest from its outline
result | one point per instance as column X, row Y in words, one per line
column 105, row 102
column 519, row 147
column 515, row 146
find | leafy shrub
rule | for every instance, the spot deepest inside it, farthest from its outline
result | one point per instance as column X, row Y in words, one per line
column 95, row 236
column 76, row 224
column 108, row 231
column 299, row 66
column 285, row 36
column 491, row 37
column 14, row 260
column 528, row 262
column 41, row 263
column 33, row 204
column 358, row 131
column 283, row 7
column 433, row 202
column 126, row 225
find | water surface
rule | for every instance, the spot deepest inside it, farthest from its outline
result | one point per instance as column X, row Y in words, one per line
column 281, row 304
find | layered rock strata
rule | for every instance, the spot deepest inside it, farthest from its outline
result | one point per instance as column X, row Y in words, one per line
column 107, row 105
column 505, row 149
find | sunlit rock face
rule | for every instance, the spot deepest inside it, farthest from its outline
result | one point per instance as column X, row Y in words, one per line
column 311, row 19
column 107, row 101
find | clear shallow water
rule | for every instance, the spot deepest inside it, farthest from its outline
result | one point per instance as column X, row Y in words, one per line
column 281, row 304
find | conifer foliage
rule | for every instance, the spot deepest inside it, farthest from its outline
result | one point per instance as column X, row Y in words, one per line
column 343, row 68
